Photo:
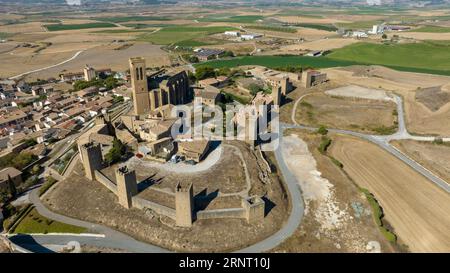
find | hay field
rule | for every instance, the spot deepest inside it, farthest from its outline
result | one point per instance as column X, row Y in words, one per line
column 415, row 207
column 426, row 36
column 108, row 57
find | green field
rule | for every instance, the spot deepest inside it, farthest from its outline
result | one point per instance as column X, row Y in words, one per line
column 432, row 29
column 183, row 36
column 318, row 26
column 273, row 28
column 233, row 19
column 279, row 61
column 427, row 57
column 142, row 26
column 59, row 27
column 33, row 222
column 4, row 35
column 131, row 19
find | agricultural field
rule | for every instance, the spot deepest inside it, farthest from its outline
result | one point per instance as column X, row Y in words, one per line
column 336, row 212
column 434, row 156
column 359, row 25
column 184, row 36
column 130, row 18
column 233, row 19
column 272, row 28
column 279, row 61
column 432, row 29
column 60, row 27
column 431, row 57
column 318, row 26
column 405, row 196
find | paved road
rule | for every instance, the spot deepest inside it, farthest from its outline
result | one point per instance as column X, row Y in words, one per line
column 112, row 238
column 383, row 141
column 298, row 207
column 118, row 240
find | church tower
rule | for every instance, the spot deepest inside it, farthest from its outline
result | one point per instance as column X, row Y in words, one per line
column 140, row 88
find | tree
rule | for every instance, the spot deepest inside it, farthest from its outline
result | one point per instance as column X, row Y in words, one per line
column 193, row 59
column 254, row 88
column 224, row 71
column 23, row 159
column 384, row 36
column 12, row 187
column 227, row 54
column 204, row 72
column 110, row 83
column 115, row 154
column 35, row 169
column 29, row 142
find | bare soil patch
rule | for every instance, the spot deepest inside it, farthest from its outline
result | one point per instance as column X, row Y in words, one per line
column 419, row 118
column 331, row 222
column 433, row 97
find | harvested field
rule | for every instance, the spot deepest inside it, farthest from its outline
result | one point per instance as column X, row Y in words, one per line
column 426, row 36
column 22, row 28
column 337, row 217
column 433, row 97
column 311, row 20
column 354, row 91
column 362, row 115
column 435, row 157
column 13, row 64
column 107, row 56
column 415, row 208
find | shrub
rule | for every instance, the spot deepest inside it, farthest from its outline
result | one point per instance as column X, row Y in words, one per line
column 324, row 144
column 322, row 130
column 337, row 162
column 47, row 185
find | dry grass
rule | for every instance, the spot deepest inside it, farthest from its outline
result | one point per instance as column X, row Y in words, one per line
column 419, row 118
column 415, row 207
column 345, row 113
column 354, row 231
column 432, row 156
column 321, row 44
column 92, row 202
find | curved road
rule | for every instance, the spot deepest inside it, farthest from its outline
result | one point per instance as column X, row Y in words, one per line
column 115, row 239
column 383, row 141
column 118, row 240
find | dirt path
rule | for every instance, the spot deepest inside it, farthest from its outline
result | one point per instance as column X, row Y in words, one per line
column 48, row 67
